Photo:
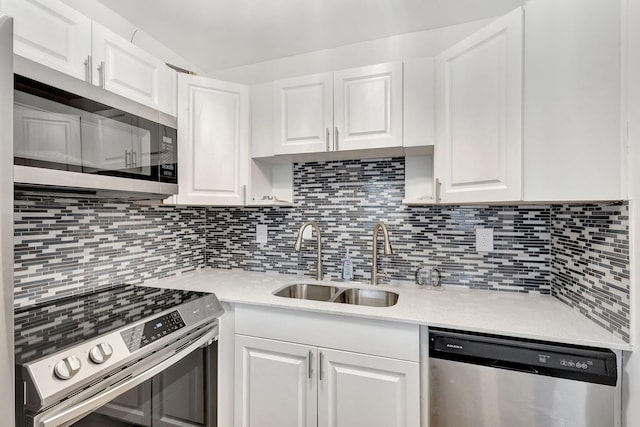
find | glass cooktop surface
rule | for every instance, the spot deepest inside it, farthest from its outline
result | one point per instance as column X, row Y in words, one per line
column 50, row 327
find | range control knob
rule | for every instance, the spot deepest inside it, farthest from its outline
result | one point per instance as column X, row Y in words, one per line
column 67, row 367
column 100, row 353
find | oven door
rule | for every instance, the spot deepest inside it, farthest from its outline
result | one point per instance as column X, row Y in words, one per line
column 182, row 395
column 94, row 405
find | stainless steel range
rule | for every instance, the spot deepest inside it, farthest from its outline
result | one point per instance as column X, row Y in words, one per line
column 76, row 354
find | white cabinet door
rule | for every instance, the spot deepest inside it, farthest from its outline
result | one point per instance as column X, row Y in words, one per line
column 303, row 114
column 479, row 115
column 51, row 33
column 573, row 145
column 368, row 107
column 275, row 383
column 213, row 130
column 358, row 390
column 128, row 70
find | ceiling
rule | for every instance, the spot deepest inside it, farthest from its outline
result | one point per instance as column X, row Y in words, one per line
column 220, row 34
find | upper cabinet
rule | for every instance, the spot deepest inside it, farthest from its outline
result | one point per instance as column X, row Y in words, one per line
column 303, row 114
column 367, row 107
column 51, row 33
column 128, row 70
column 353, row 109
column 213, row 130
column 56, row 35
column 574, row 149
column 479, row 115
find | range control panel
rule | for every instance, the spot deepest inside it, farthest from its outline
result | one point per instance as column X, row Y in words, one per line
column 141, row 335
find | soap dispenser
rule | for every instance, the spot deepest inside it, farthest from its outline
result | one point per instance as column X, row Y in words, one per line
column 347, row 268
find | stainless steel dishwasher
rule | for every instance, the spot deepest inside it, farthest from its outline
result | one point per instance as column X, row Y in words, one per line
column 480, row 380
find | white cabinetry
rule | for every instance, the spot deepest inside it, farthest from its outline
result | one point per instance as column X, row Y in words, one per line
column 355, row 109
column 51, row 33
column 479, row 115
column 368, row 107
column 276, row 383
column 367, row 391
column 347, row 372
column 56, row 35
column 127, row 70
column 303, row 110
column 213, row 130
column 572, row 139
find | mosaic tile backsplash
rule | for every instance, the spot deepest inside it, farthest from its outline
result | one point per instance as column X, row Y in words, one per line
column 66, row 245
column 590, row 262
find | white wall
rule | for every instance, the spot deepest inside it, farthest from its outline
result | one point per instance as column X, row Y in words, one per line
column 397, row 48
column 119, row 25
column 631, row 396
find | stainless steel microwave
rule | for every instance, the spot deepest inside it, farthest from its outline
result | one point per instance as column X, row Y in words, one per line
column 71, row 134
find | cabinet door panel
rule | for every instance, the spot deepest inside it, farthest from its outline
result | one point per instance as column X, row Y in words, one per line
column 479, row 91
column 573, row 77
column 51, row 33
column 368, row 107
column 368, row 391
column 275, row 386
column 213, row 127
column 127, row 70
column 303, row 114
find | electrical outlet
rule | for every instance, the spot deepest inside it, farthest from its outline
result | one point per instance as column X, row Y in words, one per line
column 261, row 233
column 484, row 239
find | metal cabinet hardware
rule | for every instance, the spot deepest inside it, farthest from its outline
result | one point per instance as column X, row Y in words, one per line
column 88, row 69
column 134, row 158
column 127, row 159
column 438, row 188
column 336, row 138
column 309, row 362
column 101, row 74
column 320, row 372
column 327, row 138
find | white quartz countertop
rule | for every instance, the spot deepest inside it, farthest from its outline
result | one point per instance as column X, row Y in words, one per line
column 540, row 317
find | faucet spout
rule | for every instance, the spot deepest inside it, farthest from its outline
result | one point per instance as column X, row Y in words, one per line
column 298, row 245
column 388, row 250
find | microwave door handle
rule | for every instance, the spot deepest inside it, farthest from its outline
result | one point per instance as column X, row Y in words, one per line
column 77, row 411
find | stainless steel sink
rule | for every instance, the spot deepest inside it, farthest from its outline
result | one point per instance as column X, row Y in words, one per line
column 308, row 291
column 369, row 297
column 355, row 296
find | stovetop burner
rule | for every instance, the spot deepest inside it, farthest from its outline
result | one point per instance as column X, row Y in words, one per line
column 47, row 328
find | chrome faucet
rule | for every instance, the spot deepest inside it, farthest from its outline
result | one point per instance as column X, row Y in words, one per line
column 375, row 274
column 298, row 244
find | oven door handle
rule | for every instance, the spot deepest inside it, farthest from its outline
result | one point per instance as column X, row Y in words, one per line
column 76, row 412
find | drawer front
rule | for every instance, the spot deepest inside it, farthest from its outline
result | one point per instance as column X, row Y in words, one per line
column 368, row 336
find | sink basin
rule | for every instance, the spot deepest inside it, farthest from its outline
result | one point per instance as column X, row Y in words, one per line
column 308, row 291
column 369, row 297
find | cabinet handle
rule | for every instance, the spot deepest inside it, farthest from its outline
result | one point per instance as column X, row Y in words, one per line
column 310, row 356
column 244, row 195
column 327, row 138
column 88, row 69
column 127, row 162
column 320, row 368
column 101, row 74
column 438, row 185
column 134, row 158
column 336, row 139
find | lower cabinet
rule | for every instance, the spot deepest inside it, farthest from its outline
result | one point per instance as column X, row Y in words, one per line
column 183, row 395
column 285, row 384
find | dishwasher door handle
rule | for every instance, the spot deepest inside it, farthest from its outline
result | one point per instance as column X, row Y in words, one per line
column 502, row 364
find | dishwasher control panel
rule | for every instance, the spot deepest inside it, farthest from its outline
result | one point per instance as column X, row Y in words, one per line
column 535, row 357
